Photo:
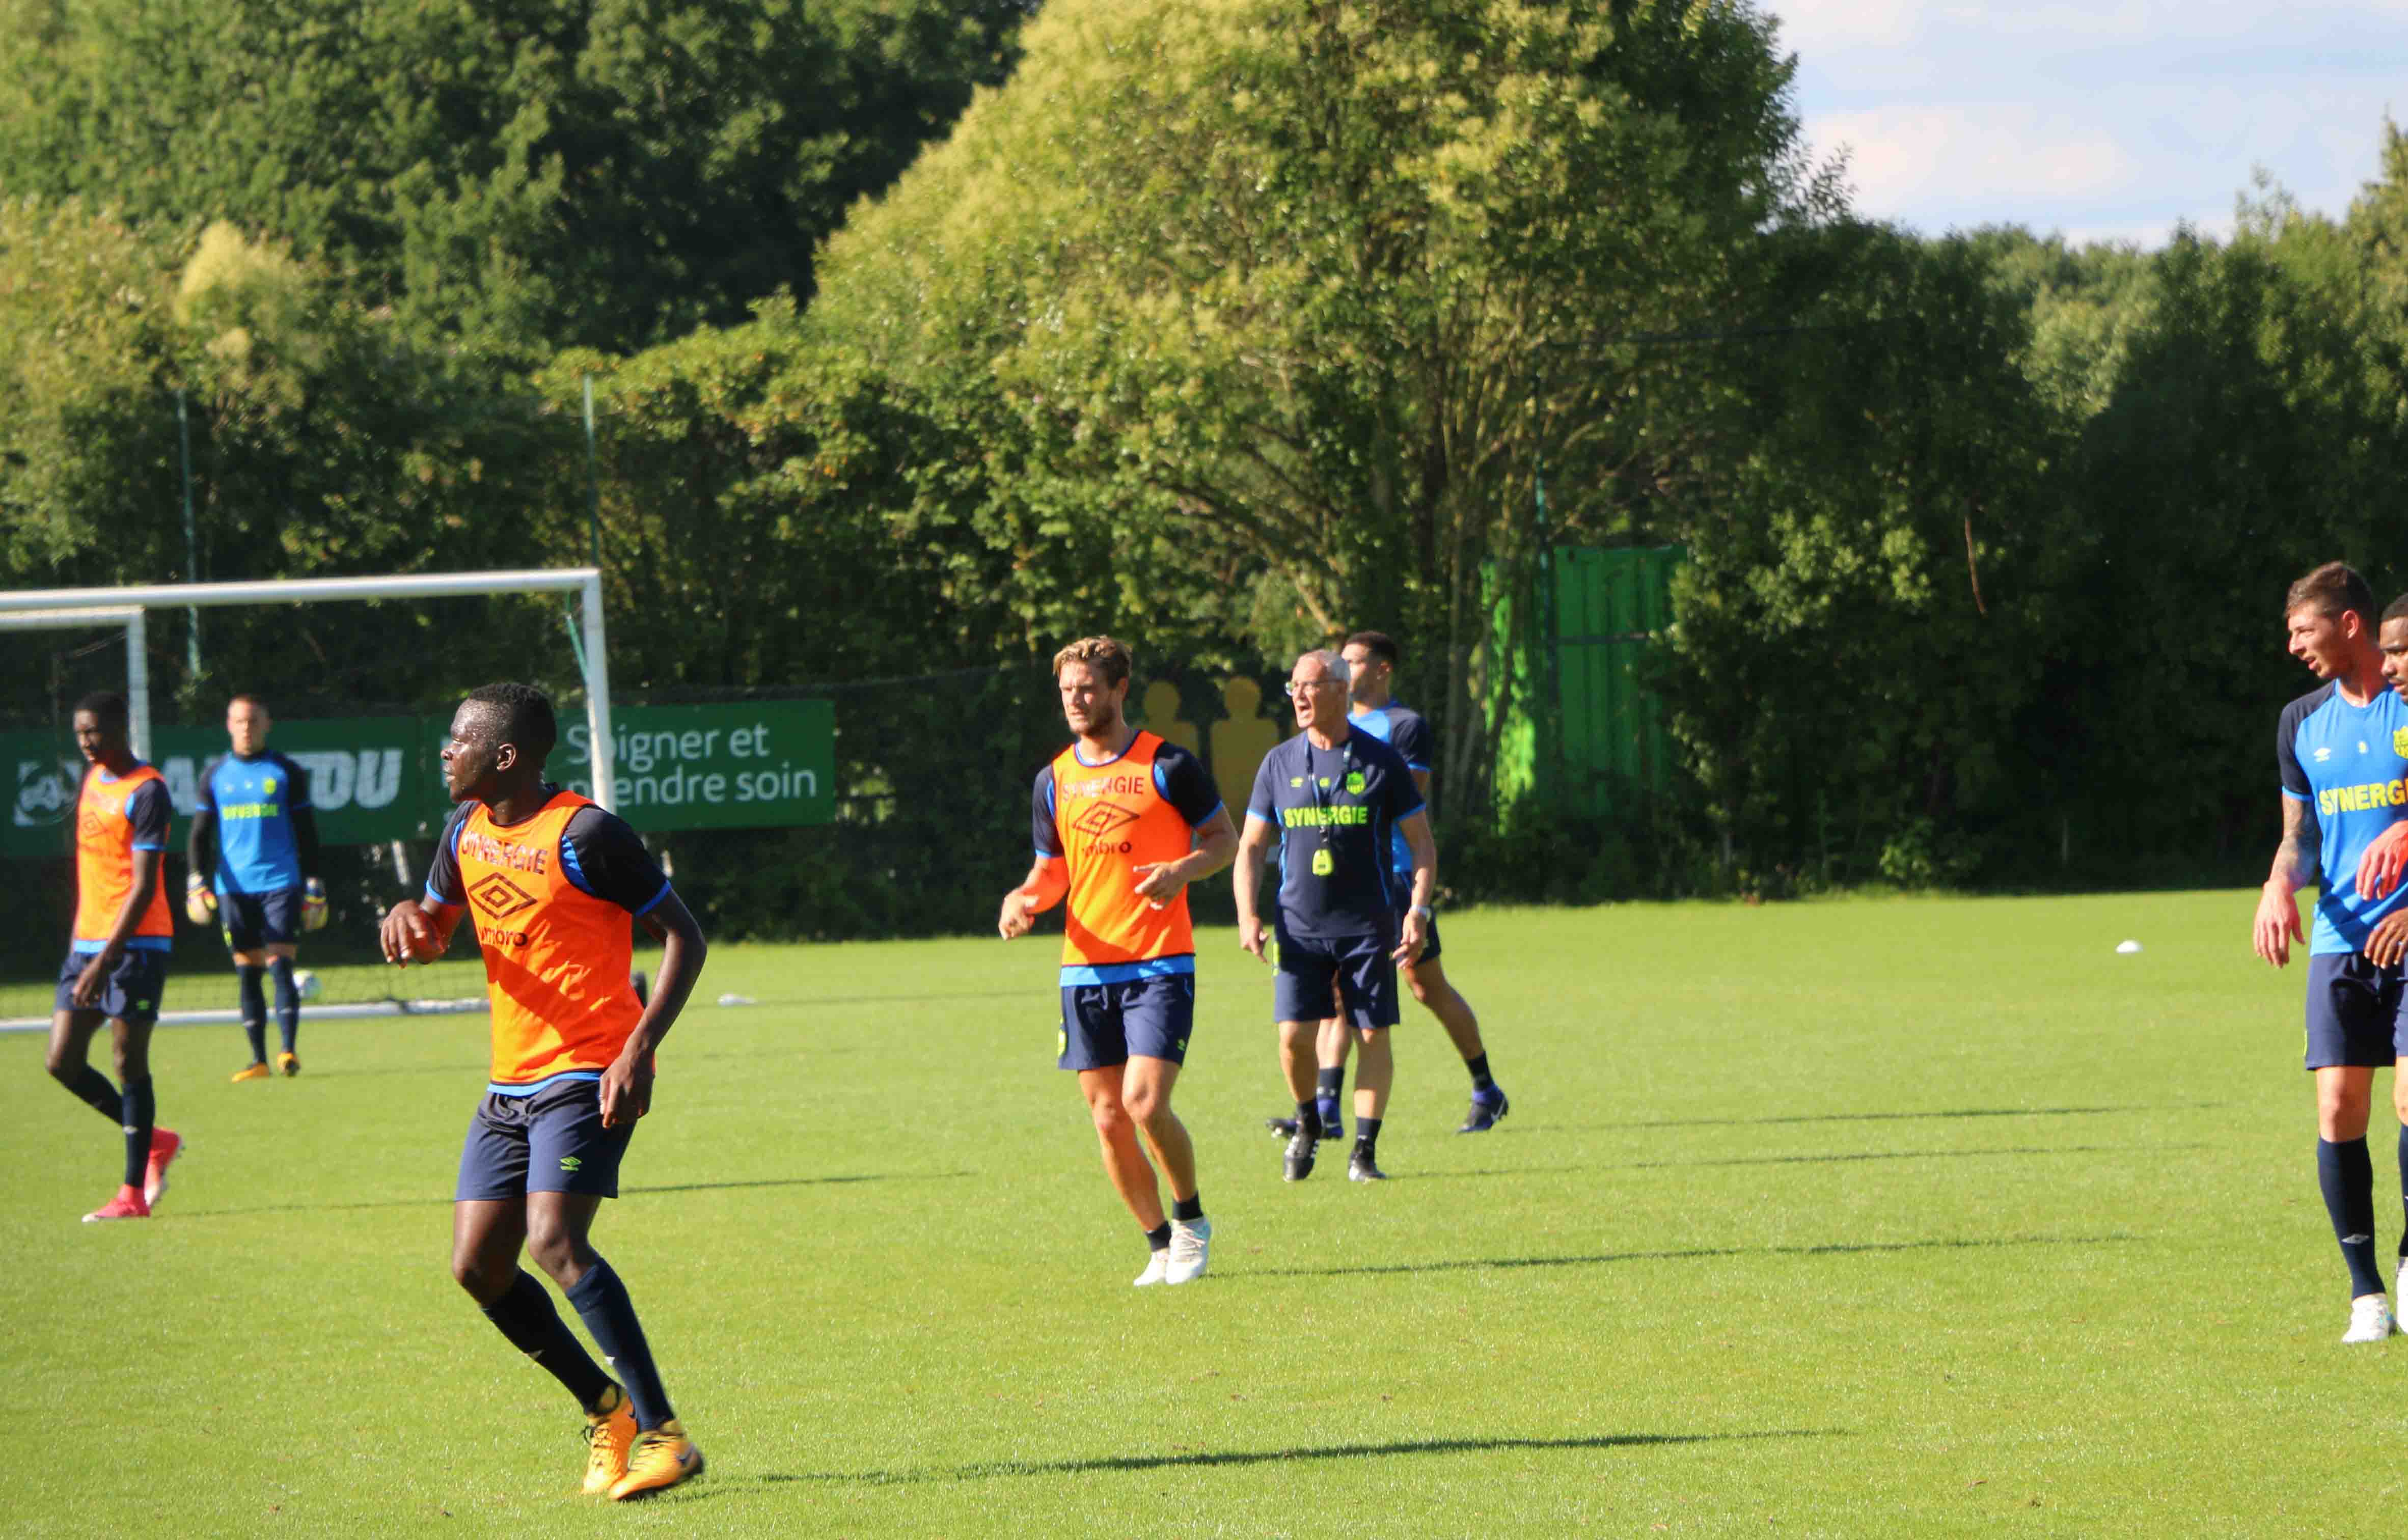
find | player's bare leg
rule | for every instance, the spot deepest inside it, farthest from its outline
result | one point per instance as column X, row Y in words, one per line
column 1428, row 980
column 1124, row 1162
column 1145, row 1095
column 1375, row 1071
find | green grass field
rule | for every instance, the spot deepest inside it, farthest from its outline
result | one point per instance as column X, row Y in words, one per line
column 1868, row 1216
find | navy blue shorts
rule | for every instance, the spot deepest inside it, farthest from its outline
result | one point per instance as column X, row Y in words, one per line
column 547, row 1141
column 2354, row 1012
column 1313, row 970
column 1429, row 936
column 253, row 920
column 1108, row 1024
column 129, row 992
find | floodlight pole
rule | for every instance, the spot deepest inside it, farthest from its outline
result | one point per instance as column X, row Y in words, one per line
column 41, row 607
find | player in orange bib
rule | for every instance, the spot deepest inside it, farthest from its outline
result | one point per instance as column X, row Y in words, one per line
column 117, row 961
column 550, row 880
column 1122, row 822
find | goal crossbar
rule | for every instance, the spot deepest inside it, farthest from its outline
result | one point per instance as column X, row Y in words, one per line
column 57, row 607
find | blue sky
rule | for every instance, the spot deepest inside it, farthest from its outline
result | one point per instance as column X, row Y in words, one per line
column 2113, row 120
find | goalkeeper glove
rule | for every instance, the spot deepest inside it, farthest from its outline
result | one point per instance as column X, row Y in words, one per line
column 200, row 905
column 313, row 906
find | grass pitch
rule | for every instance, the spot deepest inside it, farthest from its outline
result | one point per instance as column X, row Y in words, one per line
column 1868, row 1217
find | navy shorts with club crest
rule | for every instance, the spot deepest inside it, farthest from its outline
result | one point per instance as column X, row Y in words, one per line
column 253, row 920
column 1314, row 971
column 2355, row 1012
column 129, row 992
column 547, row 1140
column 1108, row 1024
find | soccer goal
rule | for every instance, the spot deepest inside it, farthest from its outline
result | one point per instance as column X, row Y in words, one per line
column 364, row 778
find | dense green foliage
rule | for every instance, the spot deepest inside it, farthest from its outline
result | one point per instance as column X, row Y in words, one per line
column 1228, row 326
column 521, row 175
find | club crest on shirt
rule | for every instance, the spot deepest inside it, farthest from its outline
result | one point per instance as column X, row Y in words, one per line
column 1355, row 783
column 2399, row 742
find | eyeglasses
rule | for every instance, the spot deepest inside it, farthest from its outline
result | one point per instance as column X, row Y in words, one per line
column 1298, row 687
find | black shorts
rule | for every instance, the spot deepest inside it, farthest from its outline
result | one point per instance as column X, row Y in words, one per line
column 1108, row 1024
column 253, row 920
column 129, row 992
column 1313, row 970
column 549, row 1140
column 2354, row 1012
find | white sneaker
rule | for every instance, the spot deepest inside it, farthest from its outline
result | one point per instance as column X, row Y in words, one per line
column 1158, row 1263
column 2370, row 1317
column 1191, row 1248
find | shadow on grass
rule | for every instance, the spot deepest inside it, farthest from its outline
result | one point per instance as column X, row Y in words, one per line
column 1910, row 1155
column 1904, row 1117
column 624, row 1193
column 1703, row 1253
column 794, row 1001
column 1791, row 1159
column 989, row 1469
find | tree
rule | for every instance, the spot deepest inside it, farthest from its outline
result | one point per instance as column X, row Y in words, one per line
column 1320, row 284
column 520, row 175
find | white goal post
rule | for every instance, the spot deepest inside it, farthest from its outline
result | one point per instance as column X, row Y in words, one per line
column 55, row 607
column 71, row 609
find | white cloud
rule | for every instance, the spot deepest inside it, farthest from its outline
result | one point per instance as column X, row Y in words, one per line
column 1901, row 158
column 1813, row 26
column 2115, row 120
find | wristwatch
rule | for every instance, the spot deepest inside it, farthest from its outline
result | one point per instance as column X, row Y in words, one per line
column 1424, row 911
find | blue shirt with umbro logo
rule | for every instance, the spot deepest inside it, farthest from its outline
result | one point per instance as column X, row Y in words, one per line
column 2349, row 763
column 254, row 800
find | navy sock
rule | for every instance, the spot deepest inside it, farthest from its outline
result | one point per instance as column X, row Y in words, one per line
column 253, row 1001
column 602, row 1304
column 95, row 1091
column 1328, row 1091
column 527, row 1317
column 288, row 1000
column 139, row 1109
column 1188, row 1210
column 1158, row 1238
column 2346, row 1174
column 1367, row 1133
column 1480, row 1078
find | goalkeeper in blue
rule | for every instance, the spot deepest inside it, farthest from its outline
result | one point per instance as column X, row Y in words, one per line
column 253, row 871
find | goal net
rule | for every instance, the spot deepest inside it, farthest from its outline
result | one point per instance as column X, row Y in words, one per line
column 367, row 734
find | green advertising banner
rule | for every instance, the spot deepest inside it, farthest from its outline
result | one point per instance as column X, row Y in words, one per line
column 378, row 779
column 760, row 765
